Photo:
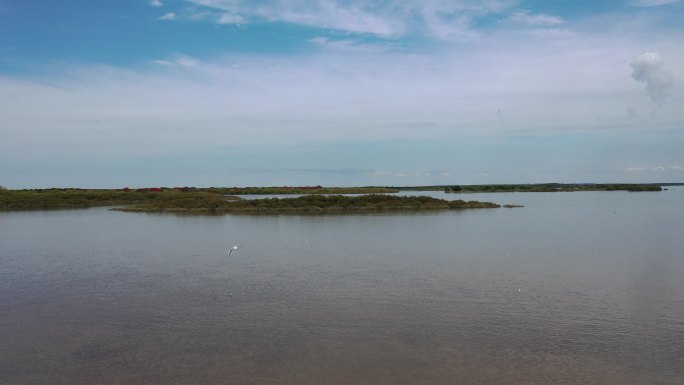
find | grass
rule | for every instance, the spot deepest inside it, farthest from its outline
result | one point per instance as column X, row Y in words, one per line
column 51, row 199
column 310, row 204
column 213, row 201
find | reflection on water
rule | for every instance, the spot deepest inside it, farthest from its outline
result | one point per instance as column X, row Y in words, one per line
column 575, row 288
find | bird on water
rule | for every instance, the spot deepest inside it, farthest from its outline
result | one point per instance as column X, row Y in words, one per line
column 234, row 248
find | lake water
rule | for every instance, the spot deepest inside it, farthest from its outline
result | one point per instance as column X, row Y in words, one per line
column 574, row 288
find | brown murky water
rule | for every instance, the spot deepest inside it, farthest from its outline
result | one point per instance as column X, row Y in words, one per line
column 575, row 288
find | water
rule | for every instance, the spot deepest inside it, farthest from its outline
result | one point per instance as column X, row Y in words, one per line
column 575, row 288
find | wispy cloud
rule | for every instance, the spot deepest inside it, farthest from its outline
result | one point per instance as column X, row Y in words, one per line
column 552, row 33
column 405, row 174
column 348, row 45
column 167, row 16
column 179, row 61
column 653, row 3
column 156, row 3
column 538, row 19
column 230, row 18
column 327, row 14
column 441, row 19
column 334, row 15
column 444, row 20
column 654, row 169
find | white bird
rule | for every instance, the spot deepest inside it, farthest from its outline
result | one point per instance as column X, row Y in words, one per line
column 234, row 248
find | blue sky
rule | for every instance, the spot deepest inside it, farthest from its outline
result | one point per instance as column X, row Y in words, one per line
column 332, row 92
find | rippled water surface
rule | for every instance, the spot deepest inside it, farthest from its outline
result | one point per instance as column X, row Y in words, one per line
column 574, row 288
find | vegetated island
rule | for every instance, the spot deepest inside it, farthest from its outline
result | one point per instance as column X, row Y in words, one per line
column 213, row 201
column 223, row 199
column 309, row 204
column 75, row 198
column 301, row 190
column 541, row 187
column 72, row 198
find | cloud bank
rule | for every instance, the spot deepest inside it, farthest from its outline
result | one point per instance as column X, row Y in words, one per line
column 407, row 82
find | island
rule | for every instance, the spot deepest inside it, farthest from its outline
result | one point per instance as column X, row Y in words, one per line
column 214, row 201
column 312, row 199
column 308, row 204
column 550, row 187
column 72, row 198
column 301, row 190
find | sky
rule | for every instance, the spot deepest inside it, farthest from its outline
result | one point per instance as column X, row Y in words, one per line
column 142, row 93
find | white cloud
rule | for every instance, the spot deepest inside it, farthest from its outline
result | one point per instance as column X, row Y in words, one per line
column 328, row 14
column 156, row 3
column 653, row 169
column 455, row 28
column 333, row 15
column 539, row 19
column 380, row 173
column 404, row 174
column 168, row 16
column 348, row 45
column 230, row 18
column 179, row 61
column 648, row 68
column 442, row 19
column 183, row 102
column 552, row 33
column 653, row 3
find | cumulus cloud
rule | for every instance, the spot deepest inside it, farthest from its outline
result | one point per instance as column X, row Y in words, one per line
column 156, row 3
column 648, row 68
column 167, row 16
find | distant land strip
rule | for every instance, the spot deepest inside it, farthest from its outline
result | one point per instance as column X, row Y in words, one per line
column 213, row 201
column 225, row 199
column 311, row 204
column 541, row 187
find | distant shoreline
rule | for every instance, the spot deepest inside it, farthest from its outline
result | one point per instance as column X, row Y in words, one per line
column 312, row 204
column 186, row 200
column 313, row 198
